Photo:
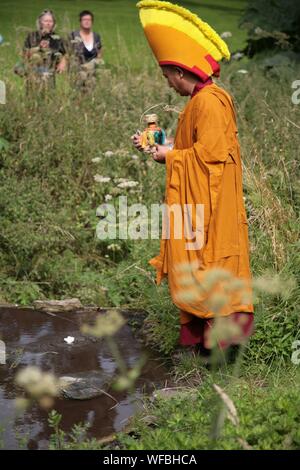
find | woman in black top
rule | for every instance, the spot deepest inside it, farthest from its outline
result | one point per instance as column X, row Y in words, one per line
column 85, row 52
column 86, row 44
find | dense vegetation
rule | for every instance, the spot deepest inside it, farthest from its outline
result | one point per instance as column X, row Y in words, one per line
column 280, row 30
column 50, row 152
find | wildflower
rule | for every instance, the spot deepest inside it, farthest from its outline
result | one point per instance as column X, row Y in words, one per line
column 114, row 247
column 237, row 56
column 275, row 284
column 235, row 285
column 128, row 184
column 125, row 382
column 21, row 404
column 214, row 276
column 96, row 160
column 102, row 179
column 39, row 385
column 226, row 34
column 223, row 330
column 109, row 153
column 243, row 71
column 106, row 324
column 258, row 31
column 187, row 296
column 108, row 197
column 217, row 301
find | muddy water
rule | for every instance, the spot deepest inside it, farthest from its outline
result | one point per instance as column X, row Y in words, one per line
column 37, row 338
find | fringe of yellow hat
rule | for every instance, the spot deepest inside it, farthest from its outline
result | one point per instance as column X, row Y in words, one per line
column 178, row 37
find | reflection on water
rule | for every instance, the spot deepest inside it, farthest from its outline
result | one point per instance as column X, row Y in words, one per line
column 37, row 338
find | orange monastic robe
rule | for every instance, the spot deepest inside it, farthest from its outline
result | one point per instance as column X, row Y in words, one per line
column 205, row 168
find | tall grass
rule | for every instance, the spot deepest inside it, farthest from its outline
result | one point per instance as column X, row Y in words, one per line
column 49, row 197
column 48, row 248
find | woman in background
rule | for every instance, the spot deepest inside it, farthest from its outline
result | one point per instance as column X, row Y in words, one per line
column 86, row 50
column 43, row 52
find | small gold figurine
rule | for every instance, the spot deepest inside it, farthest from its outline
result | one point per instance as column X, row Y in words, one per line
column 153, row 134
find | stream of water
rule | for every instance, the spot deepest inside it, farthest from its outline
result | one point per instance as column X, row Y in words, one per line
column 37, row 338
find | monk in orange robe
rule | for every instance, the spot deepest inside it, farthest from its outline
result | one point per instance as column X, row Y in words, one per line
column 202, row 167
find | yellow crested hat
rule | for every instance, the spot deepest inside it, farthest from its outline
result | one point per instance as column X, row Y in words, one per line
column 178, row 37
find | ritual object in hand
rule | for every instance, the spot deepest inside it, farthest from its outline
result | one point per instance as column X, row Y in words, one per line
column 153, row 134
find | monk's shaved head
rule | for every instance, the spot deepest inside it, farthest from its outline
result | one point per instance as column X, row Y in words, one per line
column 181, row 80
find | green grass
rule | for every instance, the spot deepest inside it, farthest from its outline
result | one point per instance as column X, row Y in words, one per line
column 267, row 407
column 116, row 20
column 48, row 201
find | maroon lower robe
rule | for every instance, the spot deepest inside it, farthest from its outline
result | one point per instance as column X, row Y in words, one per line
column 197, row 331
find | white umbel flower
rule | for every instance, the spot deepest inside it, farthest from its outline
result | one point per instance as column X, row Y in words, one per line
column 109, row 153
column 128, row 184
column 102, row 179
column 226, row 34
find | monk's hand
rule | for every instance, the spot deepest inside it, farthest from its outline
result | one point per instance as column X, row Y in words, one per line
column 159, row 153
column 137, row 141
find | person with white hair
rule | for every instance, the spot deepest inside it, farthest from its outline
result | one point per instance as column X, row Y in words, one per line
column 44, row 51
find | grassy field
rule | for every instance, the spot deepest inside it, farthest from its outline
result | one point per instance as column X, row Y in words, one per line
column 116, row 20
column 49, row 197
